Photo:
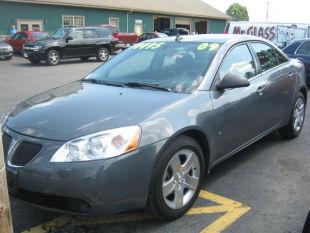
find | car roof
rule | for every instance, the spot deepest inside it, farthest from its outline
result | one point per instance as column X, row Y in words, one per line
column 217, row 38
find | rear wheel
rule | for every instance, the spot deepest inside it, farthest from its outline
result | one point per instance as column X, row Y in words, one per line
column 53, row 57
column 294, row 127
column 102, row 54
column 177, row 179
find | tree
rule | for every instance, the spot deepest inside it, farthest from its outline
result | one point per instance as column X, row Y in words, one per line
column 238, row 12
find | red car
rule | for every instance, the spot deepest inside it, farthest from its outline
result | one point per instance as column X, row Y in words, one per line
column 124, row 40
column 18, row 40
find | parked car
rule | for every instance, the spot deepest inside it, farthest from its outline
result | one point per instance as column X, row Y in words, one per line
column 151, row 35
column 71, row 42
column 20, row 38
column 6, row 50
column 300, row 49
column 306, row 228
column 176, row 31
column 144, row 128
column 123, row 40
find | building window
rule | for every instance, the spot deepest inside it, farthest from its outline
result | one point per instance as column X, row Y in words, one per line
column 114, row 22
column 73, row 20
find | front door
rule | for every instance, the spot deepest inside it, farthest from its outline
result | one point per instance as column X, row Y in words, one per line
column 29, row 25
column 237, row 111
column 75, row 47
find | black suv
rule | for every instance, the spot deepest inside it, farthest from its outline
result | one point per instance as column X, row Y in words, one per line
column 72, row 42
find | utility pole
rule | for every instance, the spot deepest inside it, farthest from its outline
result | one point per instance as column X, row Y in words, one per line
column 267, row 11
column 5, row 210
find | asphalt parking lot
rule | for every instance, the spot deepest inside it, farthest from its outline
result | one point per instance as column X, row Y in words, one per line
column 262, row 189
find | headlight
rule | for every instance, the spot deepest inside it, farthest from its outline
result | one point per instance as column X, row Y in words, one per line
column 101, row 145
column 37, row 47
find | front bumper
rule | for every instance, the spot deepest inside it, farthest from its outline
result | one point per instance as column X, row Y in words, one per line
column 90, row 188
column 6, row 53
column 31, row 52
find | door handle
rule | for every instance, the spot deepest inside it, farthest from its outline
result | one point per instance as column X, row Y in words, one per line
column 290, row 74
column 260, row 90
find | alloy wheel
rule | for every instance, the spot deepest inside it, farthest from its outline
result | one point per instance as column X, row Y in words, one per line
column 181, row 179
column 299, row 114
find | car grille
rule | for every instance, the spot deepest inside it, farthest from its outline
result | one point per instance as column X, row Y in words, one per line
column 6, row 141
column 25, row 152
column 56, row 202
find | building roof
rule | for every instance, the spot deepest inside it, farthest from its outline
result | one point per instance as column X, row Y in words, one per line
column 194, row 8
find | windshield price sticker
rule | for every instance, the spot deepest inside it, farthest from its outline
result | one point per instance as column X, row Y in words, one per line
column 208, row 46
column 152, row 46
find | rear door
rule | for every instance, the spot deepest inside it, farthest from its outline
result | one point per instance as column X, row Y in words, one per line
column 91, row 38
column 75, row 47
column 279, row 86
column 237, row 111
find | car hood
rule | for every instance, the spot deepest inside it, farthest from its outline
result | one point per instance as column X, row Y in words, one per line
column 80, row 108
column 44, row 41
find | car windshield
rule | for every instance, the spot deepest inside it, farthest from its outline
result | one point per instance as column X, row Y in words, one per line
column 40, row 35
column 59, row 33
column 175, row 66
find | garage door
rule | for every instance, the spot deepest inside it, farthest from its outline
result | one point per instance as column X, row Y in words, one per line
column 183, row 23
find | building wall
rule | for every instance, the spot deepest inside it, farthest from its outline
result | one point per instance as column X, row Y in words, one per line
column 52, row 17
column 216, row 26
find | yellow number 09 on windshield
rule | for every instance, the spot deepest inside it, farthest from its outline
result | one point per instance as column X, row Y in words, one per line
column 208, row 46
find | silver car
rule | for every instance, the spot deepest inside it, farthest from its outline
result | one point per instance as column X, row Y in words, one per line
column 143, row 129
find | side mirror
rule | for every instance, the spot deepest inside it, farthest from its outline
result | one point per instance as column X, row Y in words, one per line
column 69, row 38
column 231, row 80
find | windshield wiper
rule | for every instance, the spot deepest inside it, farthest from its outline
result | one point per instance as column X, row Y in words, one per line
column 150, row 85
column 101, row 82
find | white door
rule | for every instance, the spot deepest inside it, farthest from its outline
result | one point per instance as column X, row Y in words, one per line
column 139, row 29
column 29, row 25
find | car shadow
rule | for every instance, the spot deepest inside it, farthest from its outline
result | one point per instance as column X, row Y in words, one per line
column 64, row 62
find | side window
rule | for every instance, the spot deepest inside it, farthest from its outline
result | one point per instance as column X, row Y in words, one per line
column 239, row 61
column 76, row 34
column 90, row 34
column 23, row 36
column 280, row 57
column 266, row 56
column 104, row 32
column 304, row 49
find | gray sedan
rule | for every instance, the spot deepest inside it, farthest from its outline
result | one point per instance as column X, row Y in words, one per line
column 6, row 50
column 143, row 129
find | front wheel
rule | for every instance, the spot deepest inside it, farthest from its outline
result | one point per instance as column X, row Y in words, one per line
column 53, row 57
column 102, row 54
column 177, row 179
column 294, row 127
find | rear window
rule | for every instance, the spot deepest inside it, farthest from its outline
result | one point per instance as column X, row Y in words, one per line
column 113, row 29
column 291, row 48
column 39, row 35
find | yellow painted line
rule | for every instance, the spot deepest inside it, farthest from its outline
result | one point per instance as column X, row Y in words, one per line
column 233, row 211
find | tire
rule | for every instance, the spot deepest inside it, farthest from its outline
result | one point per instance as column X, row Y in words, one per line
column 306, row 228
column 53, row 57
column 102, row 54
column 297, row 118
column 35, row 60
column 8, row 58
column 84, row 58
column 168, row 173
